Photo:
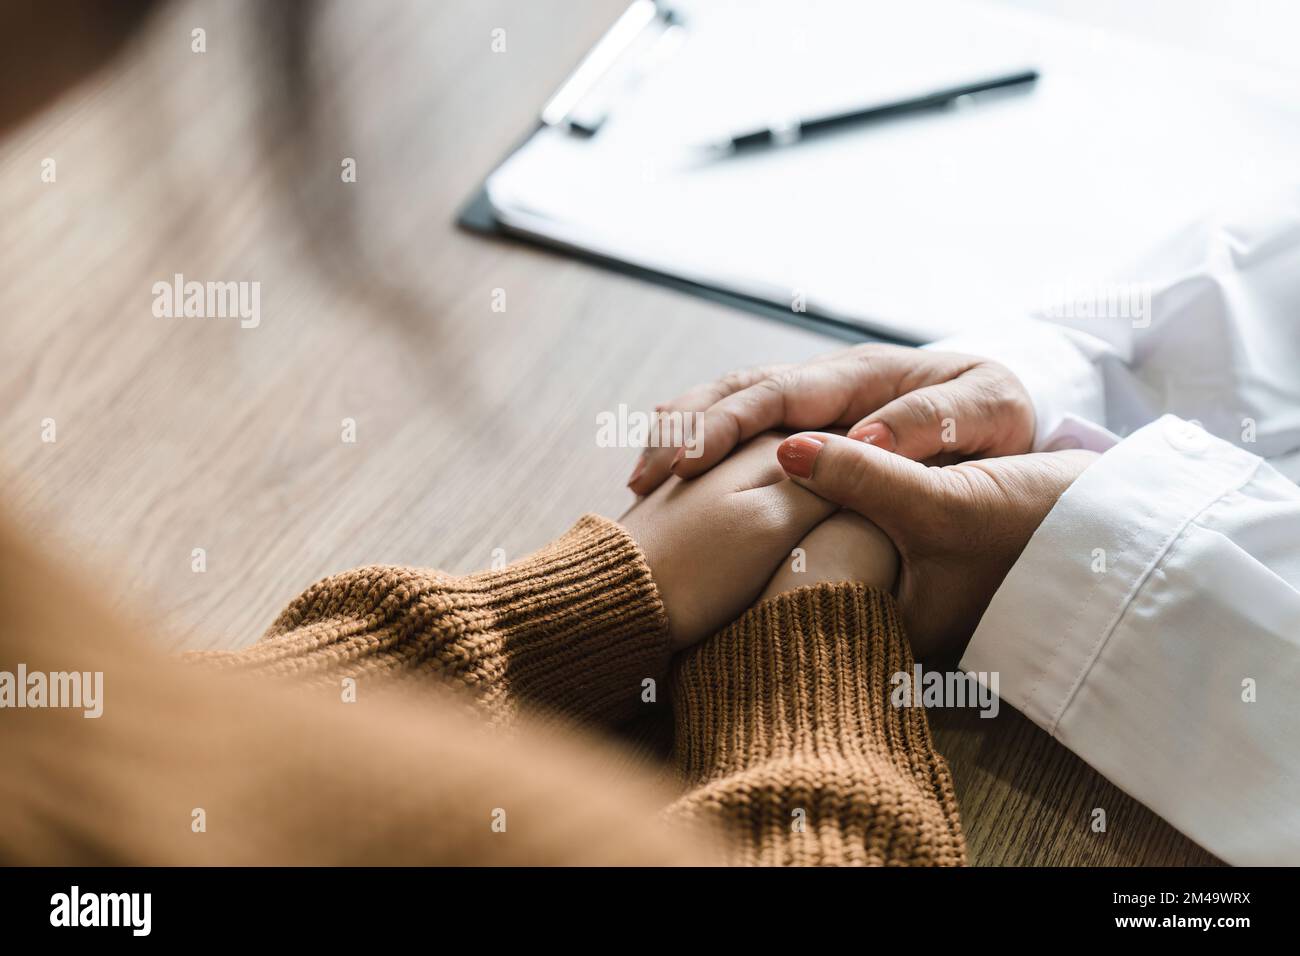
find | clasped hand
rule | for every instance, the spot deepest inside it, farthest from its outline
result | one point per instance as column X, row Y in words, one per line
column 932, row 493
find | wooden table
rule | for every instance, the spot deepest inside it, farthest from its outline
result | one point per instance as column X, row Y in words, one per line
column 474, row 428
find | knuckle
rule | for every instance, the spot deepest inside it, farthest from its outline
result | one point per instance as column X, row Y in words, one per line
column 761, row 404
column 854, row 475
column 726, row 418
column 784, row 382
column 1012, row 403
column 735, row 381
column 868, row 356
column 1001, row 399
column 996, row 370
column 923, row 408
column 743, row 378
column 986, row 394
column 865, row 349
column 877, row 349
column 1001, row 384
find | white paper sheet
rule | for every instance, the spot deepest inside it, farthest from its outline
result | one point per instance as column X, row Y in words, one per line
column 924, row 226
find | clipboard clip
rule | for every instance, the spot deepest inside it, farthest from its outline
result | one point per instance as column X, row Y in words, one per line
column 644, row 35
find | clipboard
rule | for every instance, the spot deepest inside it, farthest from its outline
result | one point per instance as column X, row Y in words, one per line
column 922, row 248
column 478, row 217
column 580, row 106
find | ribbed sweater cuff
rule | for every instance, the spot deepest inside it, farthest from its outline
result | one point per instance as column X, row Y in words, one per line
column 581, row 622
column 785, row 718
column 574, row 628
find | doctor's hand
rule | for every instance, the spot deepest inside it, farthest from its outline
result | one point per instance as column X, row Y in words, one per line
column 935, row 407
column 958, row 528
column 712, row 544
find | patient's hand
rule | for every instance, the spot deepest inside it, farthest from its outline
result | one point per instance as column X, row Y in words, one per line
column 844, row 547
column 714, row 542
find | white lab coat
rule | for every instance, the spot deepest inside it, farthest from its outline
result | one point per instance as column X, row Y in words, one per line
column 1152, row 625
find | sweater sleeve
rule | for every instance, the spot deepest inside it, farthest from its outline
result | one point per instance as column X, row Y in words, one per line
column 182, row 766
column 574, row 629
column 786, row 737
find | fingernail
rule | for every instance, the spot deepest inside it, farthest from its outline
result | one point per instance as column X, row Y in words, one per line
column 677, row 458
column 797, row 455
column 636, row 472
column 875, row 433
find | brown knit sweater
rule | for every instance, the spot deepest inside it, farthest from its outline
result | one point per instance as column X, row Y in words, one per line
column 373, row 749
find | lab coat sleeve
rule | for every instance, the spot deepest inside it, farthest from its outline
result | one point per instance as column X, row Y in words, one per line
column 1152, row 625
column 1207, row 327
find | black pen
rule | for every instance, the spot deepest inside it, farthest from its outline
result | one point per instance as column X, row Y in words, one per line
column 794, row 131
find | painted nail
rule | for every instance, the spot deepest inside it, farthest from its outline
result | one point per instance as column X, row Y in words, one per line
column 797, row 455
column 875, row 433
column 636, row 472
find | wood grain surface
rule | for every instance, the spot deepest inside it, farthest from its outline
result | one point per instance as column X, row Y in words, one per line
column 474, row 428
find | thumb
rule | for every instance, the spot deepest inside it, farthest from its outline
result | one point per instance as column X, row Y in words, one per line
column 877, row 484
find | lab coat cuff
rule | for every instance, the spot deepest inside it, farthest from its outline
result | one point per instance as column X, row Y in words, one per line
column 1056, row 373
column 1090, row 558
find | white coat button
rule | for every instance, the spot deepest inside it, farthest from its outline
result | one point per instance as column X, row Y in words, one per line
column 1187, row 437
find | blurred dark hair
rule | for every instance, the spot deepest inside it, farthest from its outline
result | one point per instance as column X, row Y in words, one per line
column 47, row 46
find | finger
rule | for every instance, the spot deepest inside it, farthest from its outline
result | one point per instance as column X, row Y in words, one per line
column 654, row 463
column 982, row 411
column 819, row 394
column 886, row 488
